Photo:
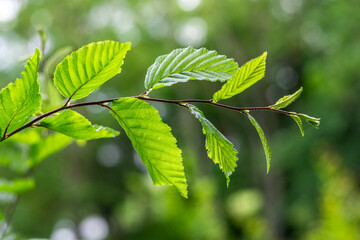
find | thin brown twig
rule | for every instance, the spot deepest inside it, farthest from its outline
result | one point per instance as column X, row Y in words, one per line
column 142, row 97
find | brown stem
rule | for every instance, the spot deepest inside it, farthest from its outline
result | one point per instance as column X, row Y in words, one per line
column 142, row 97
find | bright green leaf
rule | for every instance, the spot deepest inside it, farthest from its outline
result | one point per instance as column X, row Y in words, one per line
column 19, row 101
column 315, row 122
column 73, row 124
column 219, row 148
column 153, row 141
column 89, row 67
column 16, row 186
column 263, row 140
column 47, row 147
column 1, row 216
column 286, row 100
column 299, row 123
column 185, row 64
column 247, row 75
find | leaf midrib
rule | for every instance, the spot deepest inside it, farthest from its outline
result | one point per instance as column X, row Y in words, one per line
column 106, row 65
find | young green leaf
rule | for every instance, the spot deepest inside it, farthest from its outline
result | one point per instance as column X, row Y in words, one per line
column 219, row 148
column 19, row 101
column 47, row 147
column 73, row 124
column 247, row 75
column 299, row 123
column 263, row 140
column 89, row 67
column 185, row 64
column 286, row 100
column 16, row 186
column 153, row 141
column 315, row 122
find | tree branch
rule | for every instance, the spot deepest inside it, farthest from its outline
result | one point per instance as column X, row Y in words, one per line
column 142, row 97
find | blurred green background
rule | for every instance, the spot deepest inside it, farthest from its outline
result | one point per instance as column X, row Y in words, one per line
column 101, row 190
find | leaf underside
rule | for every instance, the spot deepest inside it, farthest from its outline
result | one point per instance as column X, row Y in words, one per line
column 246, row 76
column 313, row 121
column 19, row 101
column 263, row 140
column 185, row 64
column 89, row 67
column 73, row 124
column 219, row 148
column 298, row 121
column 153, row 141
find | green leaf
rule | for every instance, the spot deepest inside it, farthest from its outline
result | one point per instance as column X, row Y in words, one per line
column 185, row 64
column 298, row 122
column 153, row 141
column 47, row 147
column 16, row 186
column 19, row 101
column 73, row 124
column 89, row 67
column 286, row 100
column 263, row 140
column 219, row 148
column 247, row 75
column 315, row 122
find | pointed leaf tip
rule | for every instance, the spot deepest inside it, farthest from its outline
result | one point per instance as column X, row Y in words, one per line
column 287, row 100
column 263, row 141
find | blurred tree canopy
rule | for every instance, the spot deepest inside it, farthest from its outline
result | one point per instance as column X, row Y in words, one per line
column 100, row 190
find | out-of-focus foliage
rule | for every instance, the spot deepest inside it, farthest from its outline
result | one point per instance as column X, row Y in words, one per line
column 310, row 188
